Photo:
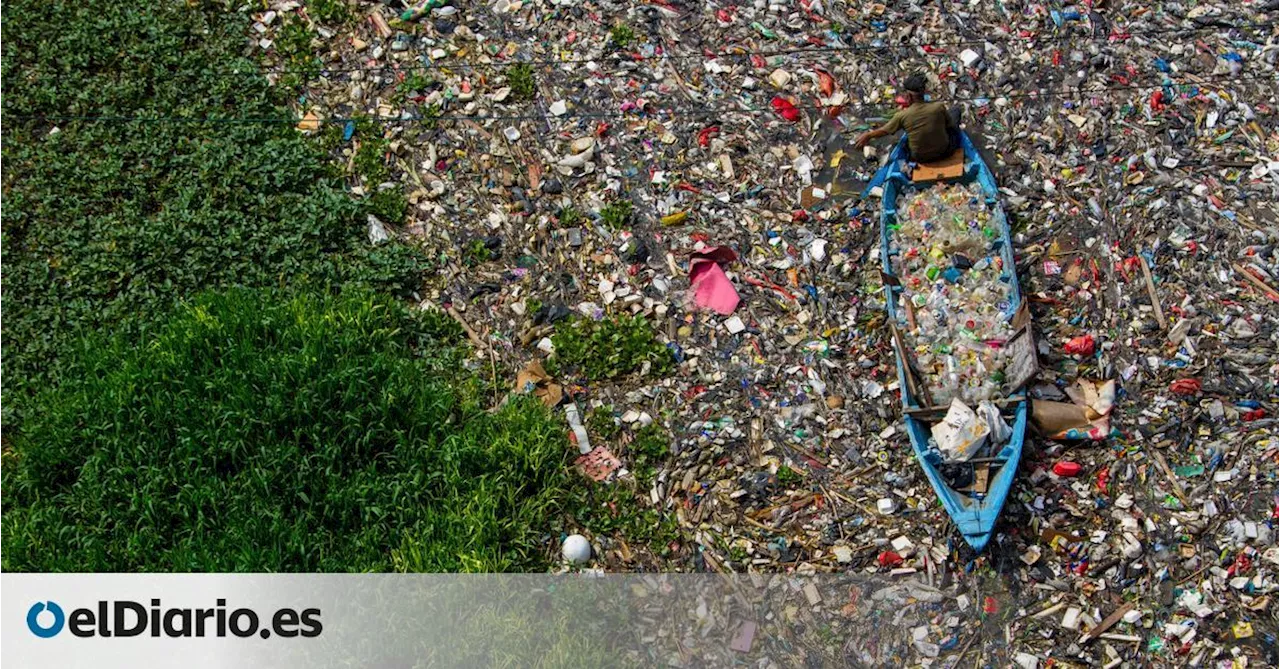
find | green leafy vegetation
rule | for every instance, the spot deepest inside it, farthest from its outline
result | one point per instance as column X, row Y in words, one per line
column 370, row 161
column 476, row 253
column 416, row 82
column 260, row 430
column 388, row 204
column 601, row 423
column 293, row 47
column 430, row 118
column 788, row 476
column 616, row 509
column 569, row 217
column 107, row 224
column 520, row 78
column 647, row 451
column 608, row 348
column 617, row 215
column 371, row 164
column 622, row 35
column 329, row 12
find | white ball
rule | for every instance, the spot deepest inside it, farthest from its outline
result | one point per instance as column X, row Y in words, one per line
column 576, row 549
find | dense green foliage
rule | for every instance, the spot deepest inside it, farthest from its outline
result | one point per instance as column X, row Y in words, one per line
column 608, row 348
column 329, row 12
column 108, row 221
column 258, row 430
column 523, row 85
column 622, row 35
column 617, row 215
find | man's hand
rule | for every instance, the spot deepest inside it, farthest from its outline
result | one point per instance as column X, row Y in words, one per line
column 861, row 140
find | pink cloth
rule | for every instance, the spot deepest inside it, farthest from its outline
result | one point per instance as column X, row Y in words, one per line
column 711, row 288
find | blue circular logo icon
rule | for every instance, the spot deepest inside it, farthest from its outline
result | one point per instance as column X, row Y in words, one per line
column 33, row 619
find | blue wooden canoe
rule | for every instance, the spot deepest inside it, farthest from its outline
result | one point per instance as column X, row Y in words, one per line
column 975, row 514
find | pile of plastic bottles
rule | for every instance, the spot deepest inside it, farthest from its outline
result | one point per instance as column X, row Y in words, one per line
column 956, row 288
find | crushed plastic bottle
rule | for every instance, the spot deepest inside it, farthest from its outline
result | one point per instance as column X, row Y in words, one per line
column 956, row 292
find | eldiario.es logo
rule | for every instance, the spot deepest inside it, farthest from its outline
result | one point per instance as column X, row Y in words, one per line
column 125, row 618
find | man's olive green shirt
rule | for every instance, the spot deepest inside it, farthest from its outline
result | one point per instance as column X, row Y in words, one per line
column 926, row 124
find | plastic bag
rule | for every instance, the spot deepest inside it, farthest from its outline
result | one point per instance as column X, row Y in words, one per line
column 960, row 434
column 999, row 431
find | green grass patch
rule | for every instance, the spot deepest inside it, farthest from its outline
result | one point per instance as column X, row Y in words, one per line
column 259, row 430
column 608, row 348
column 107, row 224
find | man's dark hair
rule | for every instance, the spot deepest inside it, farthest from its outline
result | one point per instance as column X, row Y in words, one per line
column 916, row 83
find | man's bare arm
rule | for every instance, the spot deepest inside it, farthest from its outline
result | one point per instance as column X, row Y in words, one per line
column 869, row 135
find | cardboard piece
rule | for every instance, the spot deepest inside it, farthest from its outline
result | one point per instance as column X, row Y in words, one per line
column 534, row 379
column 709, row 287
column 309, row 123
column 743, row 640
column 950, row 167
column 1087, row 416
column 981, row 479
column 1024, row 364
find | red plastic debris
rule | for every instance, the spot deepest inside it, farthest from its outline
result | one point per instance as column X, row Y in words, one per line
column 1240, row 566
column 889, row 559
column 1157, row 101
column 1185, row 387
column 826, row 83
column 785, row 109
column 1082, row 345
column 990, row 605
column 705, row 135
column 1067, row 468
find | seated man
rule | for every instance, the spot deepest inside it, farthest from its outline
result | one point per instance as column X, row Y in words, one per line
column 932, row 132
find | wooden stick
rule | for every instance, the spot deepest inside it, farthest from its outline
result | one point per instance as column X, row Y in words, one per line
column 1168, row 473
column 1253, row 279
column 911, row 313
column 1151, row 291
column 1106, row 624
column 471, row 334
column 927, row 411
column 912, row 387
column 1049, row 611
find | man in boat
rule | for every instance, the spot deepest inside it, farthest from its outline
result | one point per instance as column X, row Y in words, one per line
column 933, row 133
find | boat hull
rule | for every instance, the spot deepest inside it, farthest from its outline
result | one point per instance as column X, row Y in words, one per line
column 975, row 515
